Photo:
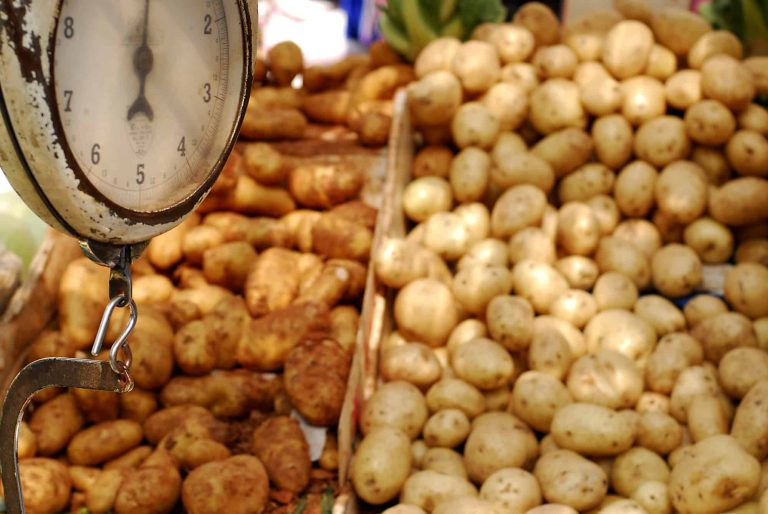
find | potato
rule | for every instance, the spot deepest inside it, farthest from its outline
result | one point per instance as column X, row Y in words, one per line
column 476, row 218
column 747, row 152
column 643, row 99
column 450, row 393
column 513, row 43
column 568, row 478
column 614, row 290
column 592, row 429
column 740, row 369
column 606, row 211
column 45, row 485
column 523, row 168
column 238, row 484
column 413, row 362
column 565, row 150
column 317, row 391
column 490, row 252
column 756, row 65
column 540, row 21
column 552, row 508
column 585, row 35
column 711, row 43
column 437, row 55
column 518, row 207
column 749, row 424
column 575, row 306
column 634, row 189
column 752, row 250
column 661, row 64
column 739, row 202
column 280, row 445
column 54, row 423
column 626, row 48
column 754, row 117
column 550, row 351
column 434, row 99
column 509, row 103
column 149, row 489
column 613, row 140
column 533, row 244
column 397, row 404
column 580, row 272
column 427, row 489
column 555, row 61
column 678, row 29
column 620, row 330
column 723, row 332
column 483, row 363
column 706, row 417
column 615, row 254
column 659, row 432
column 676, row 270
column 635, row 466
column 662, row 140
column 711, row 240
column 572, row 335
column 104, row 441
column 555, row 105
column 426, row 196
column 662, row 314
column 702, row 307
column 516, row 490
column 475, row 286
column 538, row 283
column 498, row 440
column 431, row 322
column 520, row 74
column 601, row 95
column 589, row 180
column 466, row 505
column 721, row 465
column 606, row 378
column 709, row 122
column 446, row 428
column 404, row 509
column 381, row 465
column 432, row 161
column 714, row 164
column 692, row 382
column 725, row 79
column 477, row 66
column 577, row 229
column 468, row 175
column 683, row 89
column 536, row 397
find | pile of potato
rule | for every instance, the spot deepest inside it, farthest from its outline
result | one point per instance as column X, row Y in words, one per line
column 355, row 92
column 248, row 318
column 573, row 184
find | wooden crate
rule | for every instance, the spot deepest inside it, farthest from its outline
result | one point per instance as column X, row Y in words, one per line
column 376, row 321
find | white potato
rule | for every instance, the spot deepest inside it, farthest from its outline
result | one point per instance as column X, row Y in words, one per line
column 452, row 393
column 565, row 150
column 447, row 234
column 446, row 428
column 578, row 231
column 660, row 313
column 661, row 140
column 614, row 254
column 381, row 465
column 515, row 489
column 509, row 103
column 710, row 239
column 483, row 363
column 683, row 89
column 474, row 125
column 536, row 397
column 568, row 478
column 498, row 440
column 640, row 232
column 532, row 243
column 580, row 272
column 614, row 290
column 627, row 48
column 635, row 466
column 426, row 196
column 659, row 432
column 676, row 270
column 606, row 378
column 521, row 74
column 469, row 175
column 613, row 138
column 593, row 430
column 426, row 489
column 412, row 362
column 437, row 55
column 555, row 61
column 549, row 352
column 395, row 404
column 643, row 99
column 510, row 321
column 513, row 43
column 555, row 105
column 491, row 252
column 518, row 207
column 427, row 322
column 477, row 66
column 475, row 286
column 538, row 283
column 589, row 180
column 634, row 189
column 623, row 331
column 575, row 306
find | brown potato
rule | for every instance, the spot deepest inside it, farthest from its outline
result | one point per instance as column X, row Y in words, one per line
column 273, row 282
column 82, row 300
column 151, row 489
column 131, row 459
column 315, row 378
column 540, row 21
column 96, row 405
column 100, row 497
column 193, row 348
column 324, row 186
column 279, row 444
column 266, row 342
column 54, row 423
column 238, row 485
column 336, row 237
column 432, row 161
column 226, row 323
column 678, row 29
column 104, row 441
column 45, row 485
column 152, row 346
column 265, row 164
column 722, row 333
column 250, row 197
column 162, row 422
column 228, row 264
column 740, row 202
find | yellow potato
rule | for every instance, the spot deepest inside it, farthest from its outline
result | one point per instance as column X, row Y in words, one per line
column 569, row 479
column 381, row 465
column 626, row 48
column 498, row 440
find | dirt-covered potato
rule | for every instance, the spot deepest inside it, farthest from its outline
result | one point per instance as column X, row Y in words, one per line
column 536, row 397
column 725, row 79
column 45, row 485
column 568, row 478
column 381, row 465
column 148, row 489
column 728, row 475
column 54, row 423
column 396, row 404
column 280, row 445
column 556, row 104
column 104, row 441
column 238, row 485
column 498, row 440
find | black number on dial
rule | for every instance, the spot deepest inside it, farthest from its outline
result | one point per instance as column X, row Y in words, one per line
column 207, row 95
column 139, row 174
column 95, row 154
column 207, row 28
column 69, row 27
column 67, row 100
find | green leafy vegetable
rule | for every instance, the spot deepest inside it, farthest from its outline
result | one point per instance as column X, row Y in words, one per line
column 409, row 25
column 748, row 19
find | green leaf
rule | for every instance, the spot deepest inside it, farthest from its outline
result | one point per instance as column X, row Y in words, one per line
column 447, row 9
column 454, row 28
column 394, row 12
column 326, row 504
column 475, row 12
column 417, row 24
column 754, row 22
column 396, row 38
column 301, row 506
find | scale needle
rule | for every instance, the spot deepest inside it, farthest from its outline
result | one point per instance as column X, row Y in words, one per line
column 142, row 64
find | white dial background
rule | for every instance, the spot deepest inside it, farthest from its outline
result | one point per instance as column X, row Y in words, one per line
column 141, row 164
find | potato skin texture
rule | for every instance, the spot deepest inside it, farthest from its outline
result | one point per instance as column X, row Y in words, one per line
column 45, row 484
column 149, row 490
column 238, row 485
column 55, row 423
column 104, row 441
column 266, row 342
column 315, row 378
column 280, row 445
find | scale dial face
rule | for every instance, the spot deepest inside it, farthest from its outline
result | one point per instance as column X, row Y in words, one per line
column 147, row 93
